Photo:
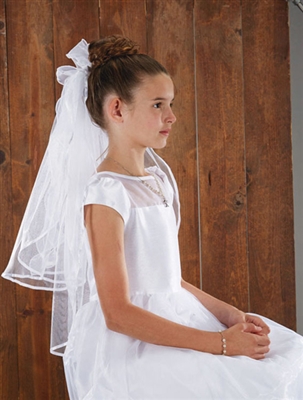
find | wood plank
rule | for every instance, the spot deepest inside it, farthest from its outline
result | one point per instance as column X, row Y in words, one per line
column 221, row 150
column 73, row 21
column 125, row 18
column 31, row 84
column 8, row 332
column 269, row 163
column 173, row 45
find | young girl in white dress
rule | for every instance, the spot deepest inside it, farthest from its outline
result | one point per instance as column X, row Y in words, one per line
column 101, row 231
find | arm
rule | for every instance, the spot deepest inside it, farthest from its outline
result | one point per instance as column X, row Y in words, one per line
column 105, row 229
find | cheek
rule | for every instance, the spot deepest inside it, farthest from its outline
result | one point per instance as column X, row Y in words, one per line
column 147, row 120
column 153, row 120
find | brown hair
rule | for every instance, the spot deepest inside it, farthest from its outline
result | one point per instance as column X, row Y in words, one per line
column 119, row 68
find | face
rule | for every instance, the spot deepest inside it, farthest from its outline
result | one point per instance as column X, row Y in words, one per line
column 149, row 118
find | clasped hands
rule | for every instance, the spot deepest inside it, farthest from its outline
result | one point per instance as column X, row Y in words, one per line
column 247, row 335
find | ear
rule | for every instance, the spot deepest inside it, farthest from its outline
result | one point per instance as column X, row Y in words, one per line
column 114, row 109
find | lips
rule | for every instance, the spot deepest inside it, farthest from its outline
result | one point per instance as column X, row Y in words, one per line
column 165, row 132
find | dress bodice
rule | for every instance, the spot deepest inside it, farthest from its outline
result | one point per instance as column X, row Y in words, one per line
column 150, row 229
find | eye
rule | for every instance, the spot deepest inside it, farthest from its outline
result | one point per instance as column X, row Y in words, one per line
column 157, row 105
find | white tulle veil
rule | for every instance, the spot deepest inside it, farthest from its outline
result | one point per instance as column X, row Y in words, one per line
column 49, row 251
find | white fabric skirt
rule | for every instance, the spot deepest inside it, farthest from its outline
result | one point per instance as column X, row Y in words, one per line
column 104, row 365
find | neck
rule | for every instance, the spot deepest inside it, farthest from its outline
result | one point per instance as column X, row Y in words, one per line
column 131, row 162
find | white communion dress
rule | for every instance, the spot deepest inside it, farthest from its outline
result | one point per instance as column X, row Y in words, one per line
column 104, row 365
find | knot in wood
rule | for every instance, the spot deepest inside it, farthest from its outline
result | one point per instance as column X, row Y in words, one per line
column 2, row 157
column 27, row 312
column 238, row 201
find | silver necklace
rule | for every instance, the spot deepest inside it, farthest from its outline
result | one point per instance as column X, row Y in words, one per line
column 152, row 189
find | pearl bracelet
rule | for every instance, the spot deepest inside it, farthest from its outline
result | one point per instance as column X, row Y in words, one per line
column 223, row 340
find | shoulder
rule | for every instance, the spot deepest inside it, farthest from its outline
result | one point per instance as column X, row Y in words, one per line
column 105, row 189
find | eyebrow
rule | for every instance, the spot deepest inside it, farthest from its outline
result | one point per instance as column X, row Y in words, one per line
column 161, row 98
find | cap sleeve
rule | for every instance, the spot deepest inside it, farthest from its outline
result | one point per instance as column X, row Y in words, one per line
column 109, row 192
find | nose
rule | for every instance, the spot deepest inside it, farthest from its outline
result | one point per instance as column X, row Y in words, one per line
column 171, row 118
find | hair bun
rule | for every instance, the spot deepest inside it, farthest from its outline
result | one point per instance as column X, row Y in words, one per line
column 101, row 51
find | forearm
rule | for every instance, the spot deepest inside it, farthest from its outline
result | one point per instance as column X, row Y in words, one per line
column 223, row 311
column 148, row 327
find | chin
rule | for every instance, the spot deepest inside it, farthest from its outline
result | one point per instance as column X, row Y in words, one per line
column 158, row 147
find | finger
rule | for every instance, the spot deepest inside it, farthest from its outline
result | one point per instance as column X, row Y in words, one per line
column 262, row 333
column 259, row 322
column 258, row 356
column 263, row 340
column 251, row 328
column 261, row 330
column 260, row 352
column 265, row 328
column 263, row 347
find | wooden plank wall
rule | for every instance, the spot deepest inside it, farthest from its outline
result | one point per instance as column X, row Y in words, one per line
column 230, row 151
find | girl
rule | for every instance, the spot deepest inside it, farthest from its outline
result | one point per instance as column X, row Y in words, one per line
column 101, row 232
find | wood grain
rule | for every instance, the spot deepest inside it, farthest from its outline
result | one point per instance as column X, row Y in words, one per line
column 127, row 18
column 172, row 44
column 269, row 161
column 8, row 333
column 221, row 150
column 73, row 21
column 31, row 99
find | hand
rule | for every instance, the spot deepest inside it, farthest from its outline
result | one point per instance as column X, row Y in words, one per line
column 258, row 322
column 245, row 339
column 236, row 316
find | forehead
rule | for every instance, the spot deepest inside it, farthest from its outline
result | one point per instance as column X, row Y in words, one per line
column 156, row 87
